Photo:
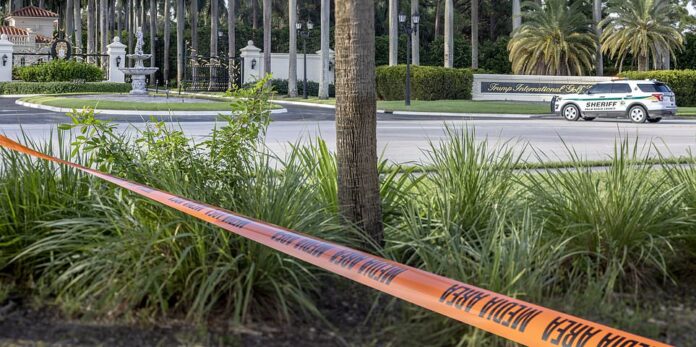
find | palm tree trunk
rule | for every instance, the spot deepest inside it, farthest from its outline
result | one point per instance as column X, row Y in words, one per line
column 102, row 27
column 77, row 17
column 214, row 19
column 267, row 36
column 597, row 17
column 153, row 36
column 474, row 34
column 356, row 121
column 69, row 22
column 292, row 51
column 325, row 26
column 180, row 50
column 254, row 14
column 129, row 24
column 18, row 4
column 437, row 17
column 449, row 33
column 415, row 37
column 516, row 14
column 231, row 39
column 91, row 35
column 194, row 26
column 393, row 32
column 167, row 40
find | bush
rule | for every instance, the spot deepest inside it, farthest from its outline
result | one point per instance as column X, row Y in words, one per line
column 62, row 87
column 60, row 71
column 281, row 87
column 427, row 83
column 682, row 82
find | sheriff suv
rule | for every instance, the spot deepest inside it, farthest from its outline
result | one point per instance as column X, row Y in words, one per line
column 639, row 100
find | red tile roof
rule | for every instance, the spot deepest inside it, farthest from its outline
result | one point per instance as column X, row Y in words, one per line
column 15, row 31
column 33, row 11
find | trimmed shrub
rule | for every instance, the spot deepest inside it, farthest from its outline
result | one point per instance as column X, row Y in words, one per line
column 58, row 70
column 62, row 87
column 427, row 83
column 280, row 86
column 682, row 82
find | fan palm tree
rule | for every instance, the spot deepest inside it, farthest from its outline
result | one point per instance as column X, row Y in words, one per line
column 597, row 18
column 180, row 50
column 642, row 28
column 449, row 33
column 266, row 36
column 555, row 39
column 324, row 75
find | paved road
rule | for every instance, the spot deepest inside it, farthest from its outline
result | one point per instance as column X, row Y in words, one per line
column 404, row 138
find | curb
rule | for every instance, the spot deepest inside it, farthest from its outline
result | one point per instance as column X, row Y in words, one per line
column 133, row 112
column 419, row 113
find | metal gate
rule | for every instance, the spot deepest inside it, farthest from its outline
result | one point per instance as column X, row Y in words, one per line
column 212, row 74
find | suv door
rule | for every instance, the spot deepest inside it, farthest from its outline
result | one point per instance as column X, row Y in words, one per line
column 622, row 94
column 596, row 103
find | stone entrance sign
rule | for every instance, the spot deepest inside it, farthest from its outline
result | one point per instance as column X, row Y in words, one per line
column 529, row 87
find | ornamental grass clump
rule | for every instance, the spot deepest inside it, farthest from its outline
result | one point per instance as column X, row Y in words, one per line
column 101, row 251
column 622, row 220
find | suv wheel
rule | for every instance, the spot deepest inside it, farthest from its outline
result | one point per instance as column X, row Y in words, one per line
column 638, row 114
column 571, row 112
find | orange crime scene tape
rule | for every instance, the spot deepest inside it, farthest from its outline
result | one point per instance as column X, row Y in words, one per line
column 513, row 319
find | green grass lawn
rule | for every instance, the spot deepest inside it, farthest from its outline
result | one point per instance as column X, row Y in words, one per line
column 58, row 101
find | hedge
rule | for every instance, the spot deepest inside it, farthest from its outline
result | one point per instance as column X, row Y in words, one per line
column 62, row 87
column 280, row 86
column 427, row 83
column 58, row 70
column 682, row 82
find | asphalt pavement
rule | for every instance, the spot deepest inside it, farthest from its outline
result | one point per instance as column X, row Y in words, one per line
column 407, row 138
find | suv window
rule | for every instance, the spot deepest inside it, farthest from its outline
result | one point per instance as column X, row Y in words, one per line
column 620, row 88
column 600, row 89
column 654, row 88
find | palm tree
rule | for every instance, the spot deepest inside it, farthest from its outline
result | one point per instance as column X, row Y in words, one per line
column 642, row 28
column 167, row 41
column 555, row 39
column 180, row 49
column 415, row 37
column 292, row 51
column 393, row 32
column 267, row 36
column 449, row 33
column 129, row 23
column 231, row 39
column 325, row 26
column 68, row 18
column 474, row 34
column 214, row 18
column 194, row 25
column 78, row 25
column 153, row 37
column 91, row 19
column 516, row 14
column 356, row 118
column 597, row 18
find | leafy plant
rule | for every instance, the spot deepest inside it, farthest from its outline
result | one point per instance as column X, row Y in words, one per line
column 60, row 70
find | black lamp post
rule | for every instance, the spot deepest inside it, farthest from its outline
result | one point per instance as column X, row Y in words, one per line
column 305, row 35
column 409, row 28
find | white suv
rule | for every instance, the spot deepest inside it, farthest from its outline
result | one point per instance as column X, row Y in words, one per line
column 639, row 100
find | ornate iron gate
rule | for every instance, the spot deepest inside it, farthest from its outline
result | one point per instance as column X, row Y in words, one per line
column 212, row 74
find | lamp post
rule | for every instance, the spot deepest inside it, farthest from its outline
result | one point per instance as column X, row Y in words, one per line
column 305, row 35
column 409, row 28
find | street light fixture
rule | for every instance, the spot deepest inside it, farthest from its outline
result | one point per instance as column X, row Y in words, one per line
column 409, row 28
column 305, row 35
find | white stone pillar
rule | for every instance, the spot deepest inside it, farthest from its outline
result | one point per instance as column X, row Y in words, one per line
column 117, row 60
column 253, row 63
column 6, row 50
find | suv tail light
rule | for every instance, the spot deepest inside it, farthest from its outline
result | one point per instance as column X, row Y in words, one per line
column 658, row 96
